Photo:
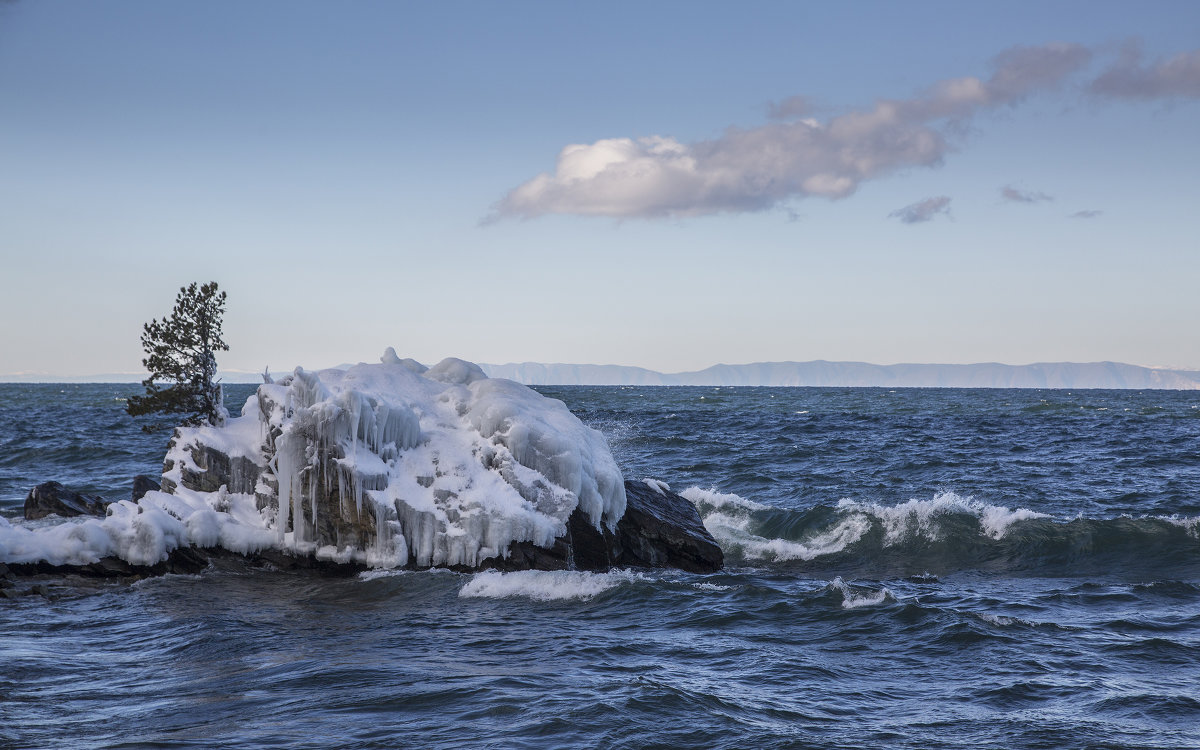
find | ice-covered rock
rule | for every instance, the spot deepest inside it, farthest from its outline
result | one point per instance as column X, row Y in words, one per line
column 381, row 464
column 385, row 465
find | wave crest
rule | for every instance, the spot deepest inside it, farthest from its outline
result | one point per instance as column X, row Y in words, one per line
column 945, row 533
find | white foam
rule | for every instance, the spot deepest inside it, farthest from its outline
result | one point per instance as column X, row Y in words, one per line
column 733, row 520
column 730, row 518
column 854, row 597
column 1190, row 525
column 544, row 585
column 711, row 499
column 921, row 517
column 734, row 532
column 376, row 573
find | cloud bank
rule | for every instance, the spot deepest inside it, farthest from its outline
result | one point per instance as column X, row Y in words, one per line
column 925, row 210
column 797, row 156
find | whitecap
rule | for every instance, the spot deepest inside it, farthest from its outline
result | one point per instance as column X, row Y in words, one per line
column 854, row 597
column 543, row 585
column 375, row 573
column 920, row 516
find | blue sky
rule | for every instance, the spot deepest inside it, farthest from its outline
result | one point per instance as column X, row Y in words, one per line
column 363, row 175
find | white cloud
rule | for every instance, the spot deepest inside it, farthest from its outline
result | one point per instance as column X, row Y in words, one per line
column 757, row 168
column 925, row 210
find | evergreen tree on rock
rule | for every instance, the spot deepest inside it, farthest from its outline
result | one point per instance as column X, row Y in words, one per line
column 180, row 352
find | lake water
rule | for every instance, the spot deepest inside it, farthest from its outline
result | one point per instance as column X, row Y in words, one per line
column 910, row 568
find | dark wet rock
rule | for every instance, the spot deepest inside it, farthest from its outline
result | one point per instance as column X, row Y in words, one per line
column 143, row 484
column 185, row 560
column 10, row 593
column 51, row 498
column 529, row 556
column 658, row 530
column 664, row 530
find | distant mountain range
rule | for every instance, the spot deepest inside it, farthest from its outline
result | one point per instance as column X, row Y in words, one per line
column 816, row 373
column 863, row 374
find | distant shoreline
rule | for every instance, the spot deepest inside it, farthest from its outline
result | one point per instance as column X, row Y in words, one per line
column 817, row 373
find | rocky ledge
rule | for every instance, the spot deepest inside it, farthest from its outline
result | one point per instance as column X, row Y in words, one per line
column 660, row 529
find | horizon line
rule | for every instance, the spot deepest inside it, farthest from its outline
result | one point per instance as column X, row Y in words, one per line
column 137, row 377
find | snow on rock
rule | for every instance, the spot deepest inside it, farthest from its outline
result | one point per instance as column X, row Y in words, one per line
column 386, row 464
column 142, row 532
column 658, row 485
column 391, row 358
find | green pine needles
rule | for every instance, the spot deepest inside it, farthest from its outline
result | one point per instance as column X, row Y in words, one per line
column 179, row 353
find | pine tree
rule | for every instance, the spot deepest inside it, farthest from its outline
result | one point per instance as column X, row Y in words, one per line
column 179, row 350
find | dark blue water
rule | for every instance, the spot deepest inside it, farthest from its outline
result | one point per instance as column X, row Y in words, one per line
column 913, row 568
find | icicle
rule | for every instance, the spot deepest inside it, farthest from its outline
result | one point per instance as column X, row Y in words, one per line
column 312, row 491
column 355, row 416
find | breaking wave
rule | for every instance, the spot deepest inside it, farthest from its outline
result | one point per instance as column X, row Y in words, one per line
column 945, row 533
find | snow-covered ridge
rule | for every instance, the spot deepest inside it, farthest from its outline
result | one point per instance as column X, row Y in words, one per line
column 387, row 464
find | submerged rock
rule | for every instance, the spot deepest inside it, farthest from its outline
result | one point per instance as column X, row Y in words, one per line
column 52, row 498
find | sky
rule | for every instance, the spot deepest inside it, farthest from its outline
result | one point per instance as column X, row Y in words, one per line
column 670, row 185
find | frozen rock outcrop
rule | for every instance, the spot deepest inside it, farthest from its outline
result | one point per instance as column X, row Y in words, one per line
column 395, row 465
column 383, row 465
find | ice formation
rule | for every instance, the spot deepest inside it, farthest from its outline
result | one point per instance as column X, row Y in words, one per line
column 390, row 464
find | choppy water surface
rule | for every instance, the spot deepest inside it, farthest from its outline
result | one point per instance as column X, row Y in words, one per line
column 914, row 568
